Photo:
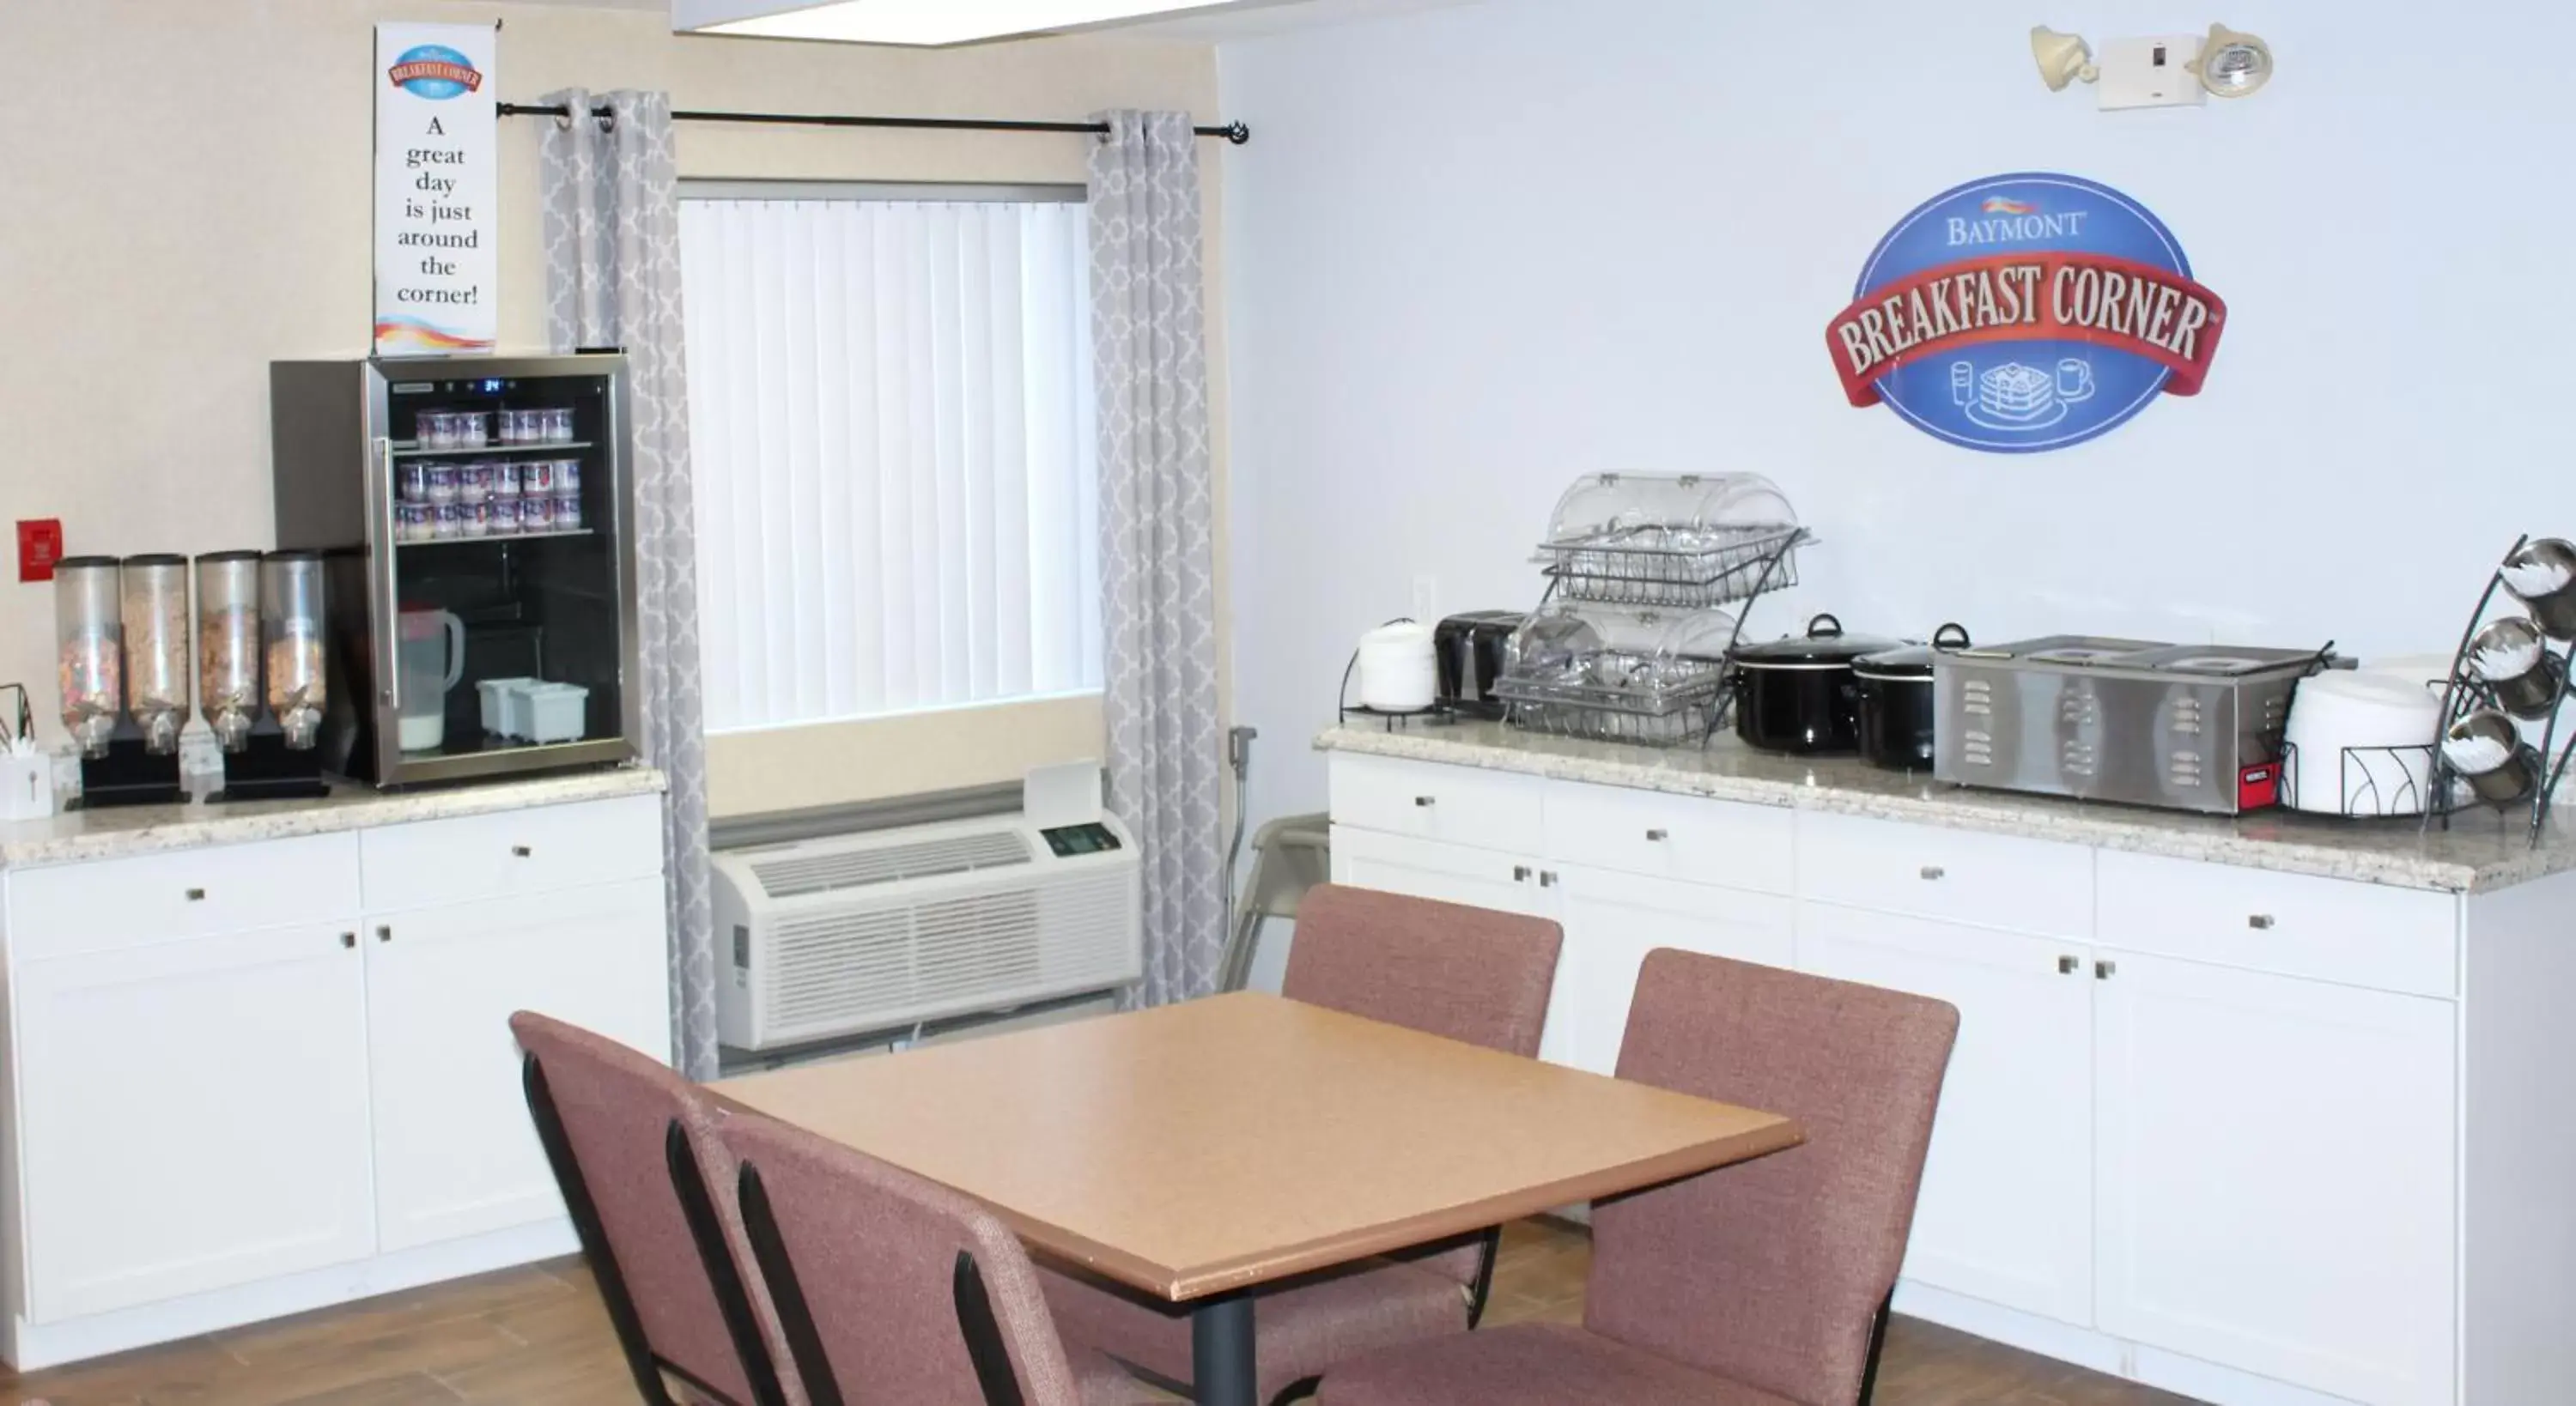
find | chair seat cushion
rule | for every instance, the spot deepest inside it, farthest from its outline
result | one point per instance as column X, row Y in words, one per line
column 1299, row 1329
column 1528, row 1364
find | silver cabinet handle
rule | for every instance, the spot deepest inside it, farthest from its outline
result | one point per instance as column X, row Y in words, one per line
column 196, row 895
column 2066, row 966
column 2104, row 971
column 1547, row 878
column 1658, row 836
column 521, row 851
column 1933, row 871
column 2260, row 922
column 1424, row 801
column 384, row 932
column 1520, row 873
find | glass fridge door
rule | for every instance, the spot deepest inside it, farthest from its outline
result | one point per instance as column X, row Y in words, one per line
column 504, row 614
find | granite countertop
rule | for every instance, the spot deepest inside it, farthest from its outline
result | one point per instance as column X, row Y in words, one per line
column 71, row 837
column 2481, row 850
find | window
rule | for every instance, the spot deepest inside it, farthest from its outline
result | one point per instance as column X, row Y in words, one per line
column 891, row 411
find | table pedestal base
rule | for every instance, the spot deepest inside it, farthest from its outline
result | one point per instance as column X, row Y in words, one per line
column 1221, row 1355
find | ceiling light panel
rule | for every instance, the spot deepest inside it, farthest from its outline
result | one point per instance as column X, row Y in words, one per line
column 917, row 22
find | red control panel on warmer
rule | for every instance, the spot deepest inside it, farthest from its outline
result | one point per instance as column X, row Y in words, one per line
column 40, row 545
column 2258, row 786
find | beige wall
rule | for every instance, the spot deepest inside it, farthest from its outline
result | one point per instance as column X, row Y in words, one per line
column 188, row 187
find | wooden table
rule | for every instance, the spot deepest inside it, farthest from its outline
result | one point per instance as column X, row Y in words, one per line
column 1197, row 1150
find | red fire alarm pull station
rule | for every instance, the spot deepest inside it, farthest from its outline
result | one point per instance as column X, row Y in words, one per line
column 40, row 545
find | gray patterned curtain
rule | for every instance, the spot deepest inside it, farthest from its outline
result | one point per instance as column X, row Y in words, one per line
column 612, row 240
column 1157, row 561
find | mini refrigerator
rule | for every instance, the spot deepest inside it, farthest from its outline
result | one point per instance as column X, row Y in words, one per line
column 477, row 518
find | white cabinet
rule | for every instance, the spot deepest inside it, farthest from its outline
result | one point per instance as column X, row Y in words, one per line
column 213, row 1124
column 454, row 1152
column 2211, row 1126
column 2276, row 1175
column 1612, row 921
column 192, row 1115
column 1432, row 869
column 2006, row 1209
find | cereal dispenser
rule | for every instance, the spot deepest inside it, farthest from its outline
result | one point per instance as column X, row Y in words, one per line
column 89, row 659
column 115, row 647
column 259, row 619
column 154, row 605
column 228, row 645
column 290, row 629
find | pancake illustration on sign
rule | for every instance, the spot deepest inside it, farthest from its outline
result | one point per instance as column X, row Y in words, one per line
column 2025, row 312
column 2018, row 397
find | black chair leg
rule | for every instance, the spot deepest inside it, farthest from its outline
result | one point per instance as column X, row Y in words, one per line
column 698, row 1208
column 1483, row 1288
column 594, row 1241
column 1877, row 1345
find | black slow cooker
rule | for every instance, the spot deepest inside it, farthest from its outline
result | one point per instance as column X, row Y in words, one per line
column 1896, row 710
column 1799, row 694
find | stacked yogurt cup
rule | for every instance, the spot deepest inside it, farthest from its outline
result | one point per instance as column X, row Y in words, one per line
column 439, row 500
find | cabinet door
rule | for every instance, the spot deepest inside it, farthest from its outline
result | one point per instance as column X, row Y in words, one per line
column 1480, row 878
column 194, row 1116
column 455, row 1153
column 2276, row 1175
column 1612, row 921
column 2006, row 1209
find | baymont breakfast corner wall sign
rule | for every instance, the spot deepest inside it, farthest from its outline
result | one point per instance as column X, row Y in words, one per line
column 2025, row 312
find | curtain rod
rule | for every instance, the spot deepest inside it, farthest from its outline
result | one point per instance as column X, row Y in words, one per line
column 1234, row 132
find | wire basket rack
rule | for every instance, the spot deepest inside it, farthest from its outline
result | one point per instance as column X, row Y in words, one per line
column 1680, row 707
column 1686, row 568
column 2369, row 781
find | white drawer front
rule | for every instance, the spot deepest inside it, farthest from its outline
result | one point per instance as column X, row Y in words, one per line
column 1670, row 837
column 1959, row 876
column 109, row 904
column 1458, row 804
column 2370, row 935
column 476, row 857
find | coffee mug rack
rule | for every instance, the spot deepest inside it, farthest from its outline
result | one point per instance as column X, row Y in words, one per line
column 2512, row 667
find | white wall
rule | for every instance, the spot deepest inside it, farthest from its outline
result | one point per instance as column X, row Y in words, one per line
column 1479, row 251
column 187, row 188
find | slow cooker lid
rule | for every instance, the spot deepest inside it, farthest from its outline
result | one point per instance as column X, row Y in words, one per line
column 1824, row 646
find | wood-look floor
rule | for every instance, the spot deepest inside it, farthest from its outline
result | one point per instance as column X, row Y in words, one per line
column 538, row 1335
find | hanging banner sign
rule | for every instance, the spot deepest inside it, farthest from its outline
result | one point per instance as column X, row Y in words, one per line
column 2025, row 312
column 437, row 146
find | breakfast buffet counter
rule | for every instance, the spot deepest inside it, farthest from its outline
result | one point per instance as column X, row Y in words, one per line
column 2480, row 851
column 71, row 837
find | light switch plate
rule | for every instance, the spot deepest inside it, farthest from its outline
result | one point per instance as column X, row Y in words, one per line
column 2152, row 71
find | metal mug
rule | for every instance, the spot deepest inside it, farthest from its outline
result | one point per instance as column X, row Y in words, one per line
column 2553, row 611
column 2533, row 693
column 2510, row 781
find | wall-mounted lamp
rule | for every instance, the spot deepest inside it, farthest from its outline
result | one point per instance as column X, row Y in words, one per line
column 2063, row 58
column 2174, row 70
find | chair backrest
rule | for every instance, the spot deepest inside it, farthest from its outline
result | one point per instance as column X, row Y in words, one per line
column 1771, row 1272
column 1471, row 974
column 651, row 1189
column 891, row 1288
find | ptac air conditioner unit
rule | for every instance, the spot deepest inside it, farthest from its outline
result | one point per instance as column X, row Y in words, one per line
column 832, row 937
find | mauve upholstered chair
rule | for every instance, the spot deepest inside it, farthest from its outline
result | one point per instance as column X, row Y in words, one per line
column 1469, row 974
column 1760, row 1284
column 650, row 1189
column 894, row 1289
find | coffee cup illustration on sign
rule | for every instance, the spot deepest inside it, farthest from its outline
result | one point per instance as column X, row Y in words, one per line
column 2074, row 379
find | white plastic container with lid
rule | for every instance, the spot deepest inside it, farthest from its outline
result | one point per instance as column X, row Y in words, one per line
column 1398, row 670
column 2361, row 743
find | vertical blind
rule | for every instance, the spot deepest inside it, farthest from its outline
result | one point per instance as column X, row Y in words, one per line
column 892, row 415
